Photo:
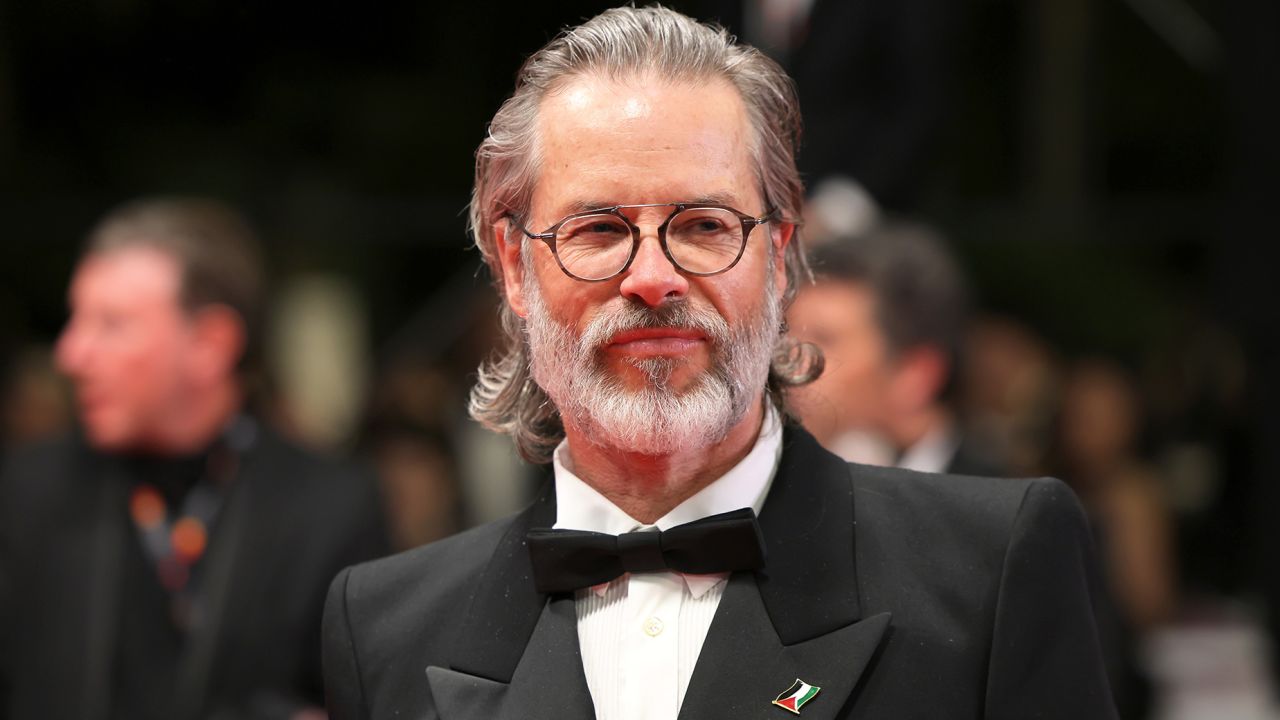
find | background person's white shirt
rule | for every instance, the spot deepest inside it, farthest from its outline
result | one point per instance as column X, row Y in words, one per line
column 641, row 634
column 933, row 452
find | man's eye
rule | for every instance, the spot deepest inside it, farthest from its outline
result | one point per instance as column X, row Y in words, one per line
column 595, row 231
column 705, row 222
column 702, row 224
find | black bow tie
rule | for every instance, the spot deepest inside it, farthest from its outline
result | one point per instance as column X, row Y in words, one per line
column 565, row 560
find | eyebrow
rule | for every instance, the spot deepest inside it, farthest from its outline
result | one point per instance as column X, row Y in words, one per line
column 711, row 199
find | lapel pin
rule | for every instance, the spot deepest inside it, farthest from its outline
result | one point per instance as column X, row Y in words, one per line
column 795, row 697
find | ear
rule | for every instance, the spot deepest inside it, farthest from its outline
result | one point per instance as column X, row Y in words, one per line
column 508, row 239
column 781, row 233
column 921, row 374
column 219, row 341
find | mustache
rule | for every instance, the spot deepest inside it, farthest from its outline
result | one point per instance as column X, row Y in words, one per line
column 622, row 315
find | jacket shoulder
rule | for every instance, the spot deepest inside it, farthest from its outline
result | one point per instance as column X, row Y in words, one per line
column 954, row 498
column 952, row 533
column 45, row 479
column 390, row 599
column 27, row 466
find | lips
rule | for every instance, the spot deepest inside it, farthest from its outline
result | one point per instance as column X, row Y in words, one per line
column 656, row 341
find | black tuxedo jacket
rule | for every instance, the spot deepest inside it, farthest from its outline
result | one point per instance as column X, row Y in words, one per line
column 900, row 595
column 289, row 522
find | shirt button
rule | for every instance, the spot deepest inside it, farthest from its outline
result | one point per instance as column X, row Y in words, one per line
column 653, row 627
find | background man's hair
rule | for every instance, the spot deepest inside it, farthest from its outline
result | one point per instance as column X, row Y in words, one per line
column 625, row 43
column 921, row 295
column 216, row 249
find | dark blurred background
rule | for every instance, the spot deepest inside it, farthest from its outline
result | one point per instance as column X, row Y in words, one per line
column 1106, row 171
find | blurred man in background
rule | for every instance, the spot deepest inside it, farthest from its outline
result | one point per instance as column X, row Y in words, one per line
column 888, row 310
column 169, row 559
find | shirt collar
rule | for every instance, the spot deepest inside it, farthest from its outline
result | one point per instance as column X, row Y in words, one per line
column 933, row 452
column 581, row 507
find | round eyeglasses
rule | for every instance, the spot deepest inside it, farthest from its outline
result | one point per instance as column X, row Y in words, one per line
column 698, row 238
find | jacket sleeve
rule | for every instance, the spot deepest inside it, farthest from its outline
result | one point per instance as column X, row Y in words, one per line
column 1046, row 660
column 7, row 611
column 344, row 685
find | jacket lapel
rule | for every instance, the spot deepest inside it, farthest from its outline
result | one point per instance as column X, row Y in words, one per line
column 516, row 653
column 229, row 568
column 548, row 683
column 109, row 537
column 745, row 665
column 223, row 566
column 799, row 618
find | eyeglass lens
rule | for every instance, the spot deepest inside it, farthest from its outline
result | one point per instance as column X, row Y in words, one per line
column 700, row 240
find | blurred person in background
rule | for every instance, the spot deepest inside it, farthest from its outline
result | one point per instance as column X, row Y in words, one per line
column 1008, row 393
column 417, row 473
column 1097, row 454
column 1099, row 430
column 169, row 558
column 407, row 436
column 888, row 309
column 34, row 403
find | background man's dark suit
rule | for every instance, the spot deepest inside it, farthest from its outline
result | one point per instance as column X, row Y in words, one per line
column 901, row 595
column 872, row 77
column 289, row 523
column 968, row 460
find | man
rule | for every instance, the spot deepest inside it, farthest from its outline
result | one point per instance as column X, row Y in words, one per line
column 635, row 199
column 169, row 560
column 888, row 311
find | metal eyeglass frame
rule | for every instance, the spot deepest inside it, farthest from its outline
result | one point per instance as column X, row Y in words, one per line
column 549, row 235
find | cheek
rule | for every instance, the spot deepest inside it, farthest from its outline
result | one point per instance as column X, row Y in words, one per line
column 738, row 294
column 853, row 371
column 152, row 368
column 567, row 301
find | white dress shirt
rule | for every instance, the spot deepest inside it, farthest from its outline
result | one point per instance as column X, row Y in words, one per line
column 641, row 634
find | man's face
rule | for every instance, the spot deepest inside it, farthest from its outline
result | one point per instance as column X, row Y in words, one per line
column 126, row 346
column 853, row 392
column 635, row 347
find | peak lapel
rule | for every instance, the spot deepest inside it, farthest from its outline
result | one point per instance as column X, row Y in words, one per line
column 744, row 664
column 809, row 583
column 799, row 618
column 548, row 683
column 516, row 654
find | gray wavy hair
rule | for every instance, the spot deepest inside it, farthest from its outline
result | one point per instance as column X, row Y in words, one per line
column 619, row 43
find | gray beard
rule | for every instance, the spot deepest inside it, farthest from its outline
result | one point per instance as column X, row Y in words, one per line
column 655, row 419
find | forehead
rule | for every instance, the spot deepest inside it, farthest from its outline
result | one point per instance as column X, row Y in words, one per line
column 831, row 299
column 642, row 139
column 133, row 275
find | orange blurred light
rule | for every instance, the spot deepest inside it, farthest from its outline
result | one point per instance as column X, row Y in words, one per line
column 188, row 539
column 146, row 507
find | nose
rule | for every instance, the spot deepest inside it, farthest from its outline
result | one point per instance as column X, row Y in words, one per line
column 652, row 279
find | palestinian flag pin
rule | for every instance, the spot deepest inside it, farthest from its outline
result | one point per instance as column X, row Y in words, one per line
column 795, row 697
